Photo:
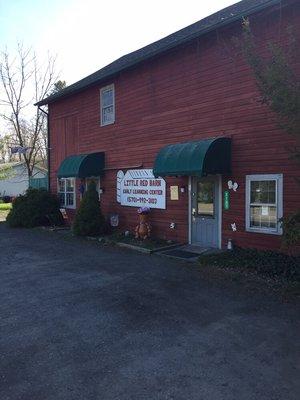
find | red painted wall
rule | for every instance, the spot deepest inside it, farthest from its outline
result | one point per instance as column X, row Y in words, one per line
column 204, row 89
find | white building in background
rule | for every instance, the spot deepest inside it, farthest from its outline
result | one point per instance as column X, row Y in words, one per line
column 17, row 181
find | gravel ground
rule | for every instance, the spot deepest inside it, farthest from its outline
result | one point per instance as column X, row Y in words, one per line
column 85, row 321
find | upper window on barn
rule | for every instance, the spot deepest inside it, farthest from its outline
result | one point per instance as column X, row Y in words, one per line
column 107, row 105
column 264, row 203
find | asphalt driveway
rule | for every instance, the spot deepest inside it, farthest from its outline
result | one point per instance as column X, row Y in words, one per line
column 84, row 321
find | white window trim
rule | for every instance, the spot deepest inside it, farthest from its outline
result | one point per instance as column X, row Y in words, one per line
column 112, row 86
column 65, row 192
column 279, row 202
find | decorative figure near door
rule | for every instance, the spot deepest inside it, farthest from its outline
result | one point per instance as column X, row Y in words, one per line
column 229, row 245
column 233, row 227
column 232, row 185
column 143, row 229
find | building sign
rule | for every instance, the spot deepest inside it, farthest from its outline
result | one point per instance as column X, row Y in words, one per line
column 140, row 188
column 226, row 200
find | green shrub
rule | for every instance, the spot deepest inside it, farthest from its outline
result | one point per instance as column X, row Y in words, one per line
column 36, row 207
column 89, row 220
column 267, row 263
column 291, row 231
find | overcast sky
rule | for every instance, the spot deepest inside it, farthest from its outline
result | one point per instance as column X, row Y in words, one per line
column 85, row 35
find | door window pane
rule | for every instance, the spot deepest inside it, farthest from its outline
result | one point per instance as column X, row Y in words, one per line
column 205, row 198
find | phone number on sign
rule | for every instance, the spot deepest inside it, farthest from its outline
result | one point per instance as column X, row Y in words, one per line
column 141, row 200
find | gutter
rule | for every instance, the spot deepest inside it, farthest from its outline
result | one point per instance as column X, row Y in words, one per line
column 48, row 143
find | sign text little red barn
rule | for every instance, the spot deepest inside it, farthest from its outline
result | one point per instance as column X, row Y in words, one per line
column 140, row 188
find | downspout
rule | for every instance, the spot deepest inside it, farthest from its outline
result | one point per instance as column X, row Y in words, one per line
column 48, row 144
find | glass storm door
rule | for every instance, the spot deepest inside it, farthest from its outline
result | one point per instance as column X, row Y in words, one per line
column 205, row 212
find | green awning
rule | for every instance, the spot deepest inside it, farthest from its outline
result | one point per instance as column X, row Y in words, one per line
column 208, row 156
column 82, row 166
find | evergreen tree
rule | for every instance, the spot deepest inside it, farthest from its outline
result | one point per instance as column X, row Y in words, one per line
column 89, row 220
column 58, row 86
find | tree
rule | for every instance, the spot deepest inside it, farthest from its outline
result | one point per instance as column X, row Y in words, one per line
column 6, row 172
column 58, row 86
column 24, row 82
column 277, row 82
column 89, row 220
column 279, row 87
column 5, row 153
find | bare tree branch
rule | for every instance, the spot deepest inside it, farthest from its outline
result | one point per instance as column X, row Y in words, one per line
column 25, row 81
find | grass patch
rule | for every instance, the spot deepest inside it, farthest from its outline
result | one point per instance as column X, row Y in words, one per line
column 5, row 206
column 270, row 264
column 3, row 215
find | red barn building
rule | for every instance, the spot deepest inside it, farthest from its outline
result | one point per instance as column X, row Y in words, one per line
column 178, row 126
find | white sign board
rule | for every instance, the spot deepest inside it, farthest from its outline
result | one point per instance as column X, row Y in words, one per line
column 140, row 188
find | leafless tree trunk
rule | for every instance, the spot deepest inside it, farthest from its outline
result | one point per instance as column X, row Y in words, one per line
column 23, row 82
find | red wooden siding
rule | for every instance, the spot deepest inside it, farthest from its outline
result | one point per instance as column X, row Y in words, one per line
column 201, row 90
